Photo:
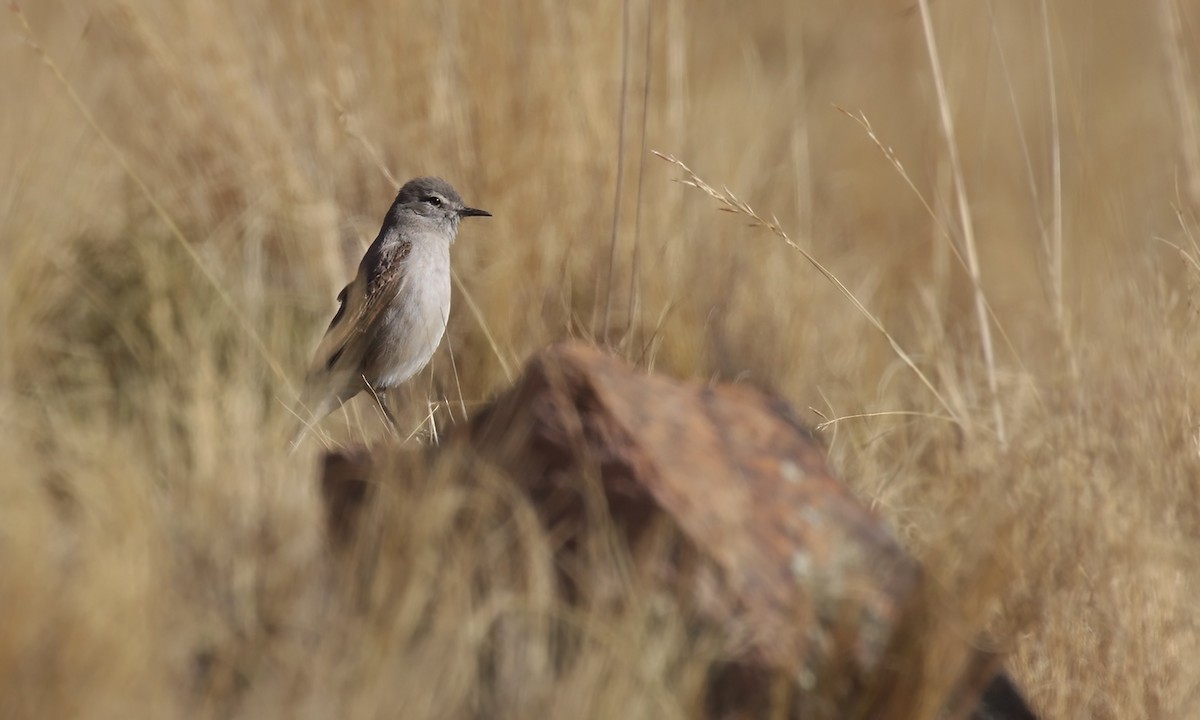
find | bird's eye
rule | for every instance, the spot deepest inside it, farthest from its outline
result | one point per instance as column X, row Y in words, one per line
column 433, row 200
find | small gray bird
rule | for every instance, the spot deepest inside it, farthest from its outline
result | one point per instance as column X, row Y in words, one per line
column 392, row 316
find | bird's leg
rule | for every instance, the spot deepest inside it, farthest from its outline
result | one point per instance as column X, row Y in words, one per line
column 381, row 397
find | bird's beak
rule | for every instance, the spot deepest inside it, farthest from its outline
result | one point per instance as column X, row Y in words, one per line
column 473, row 212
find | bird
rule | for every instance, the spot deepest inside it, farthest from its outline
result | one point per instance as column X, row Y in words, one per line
column 392, row 315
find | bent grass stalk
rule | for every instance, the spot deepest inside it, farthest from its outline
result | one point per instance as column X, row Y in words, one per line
column 730, row 203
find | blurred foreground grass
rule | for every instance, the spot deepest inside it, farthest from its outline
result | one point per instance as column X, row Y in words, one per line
column 172, row 237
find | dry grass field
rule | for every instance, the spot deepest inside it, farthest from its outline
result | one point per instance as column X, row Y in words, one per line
column 185, row 186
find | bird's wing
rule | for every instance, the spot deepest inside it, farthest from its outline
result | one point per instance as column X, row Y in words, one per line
column 378, row 282
column 361, row 304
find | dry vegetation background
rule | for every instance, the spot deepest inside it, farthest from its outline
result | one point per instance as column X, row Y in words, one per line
column 185, row 189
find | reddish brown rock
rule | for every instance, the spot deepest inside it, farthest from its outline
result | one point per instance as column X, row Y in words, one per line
column 804, row 580
column 792, row 551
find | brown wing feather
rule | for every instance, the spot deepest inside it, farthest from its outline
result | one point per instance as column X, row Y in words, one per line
column 360, row 309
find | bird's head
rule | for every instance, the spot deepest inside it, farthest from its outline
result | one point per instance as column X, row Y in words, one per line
column 432, row 199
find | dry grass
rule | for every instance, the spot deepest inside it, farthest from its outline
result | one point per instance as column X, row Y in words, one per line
column 179, row 207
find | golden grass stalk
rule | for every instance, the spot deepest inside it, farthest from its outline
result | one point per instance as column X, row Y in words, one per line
column 968, row 225
column 731, row 203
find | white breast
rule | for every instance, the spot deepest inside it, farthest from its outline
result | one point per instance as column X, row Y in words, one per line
column 415, row 321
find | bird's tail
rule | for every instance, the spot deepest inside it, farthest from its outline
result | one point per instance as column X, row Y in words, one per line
column 309, row 410
column 323, row 393
column 298, row 434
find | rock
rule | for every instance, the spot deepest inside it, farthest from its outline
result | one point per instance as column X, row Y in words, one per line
column 344, row 491
column 742, row 479
column 803, row 578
